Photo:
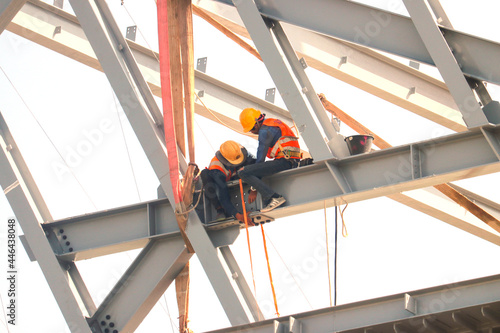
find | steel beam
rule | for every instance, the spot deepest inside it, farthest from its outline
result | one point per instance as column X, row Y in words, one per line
column 226, row 101
column 363, row 68
column 279, row 64
column 9, row 9
column 128, row 83
column 378, row 75
column 235, row 302
column 120, row 229
column 216, row 93
column 380, row 173
column 42, row 209
column 222, row 99
column 382, row 30
column 434, row 305
column 433, row 203
column 129, row 227
column 136, row 99
column 239, row 278
column 29, row 218
column 445, row 61
column 335, row 139
column 390, row 171
column 140, row 287
column 492, row 207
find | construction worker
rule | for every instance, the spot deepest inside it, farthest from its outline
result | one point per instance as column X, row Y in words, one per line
column 223, row 168
column 277, row 142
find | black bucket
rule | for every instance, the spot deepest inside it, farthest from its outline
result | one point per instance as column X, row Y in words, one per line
column 359, row 144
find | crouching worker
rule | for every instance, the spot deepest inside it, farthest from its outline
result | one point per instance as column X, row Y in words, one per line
column 279, row 144
column 222, row 168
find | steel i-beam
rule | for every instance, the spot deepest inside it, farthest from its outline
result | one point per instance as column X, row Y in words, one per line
column 285, row 81
column 446, row 63
column 29, row 218
column 9, row 9
column 120, row 67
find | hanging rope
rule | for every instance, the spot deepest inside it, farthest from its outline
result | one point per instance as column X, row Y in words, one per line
column 344, row 228
column 327, row 255
column 335, row 260
column 269, row 270
column 191, row 208
column 248, row 236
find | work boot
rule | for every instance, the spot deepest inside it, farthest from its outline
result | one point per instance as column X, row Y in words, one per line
column 274, row 203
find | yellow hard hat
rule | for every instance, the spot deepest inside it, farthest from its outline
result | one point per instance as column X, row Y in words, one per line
column 248, row 118
column 232, row 152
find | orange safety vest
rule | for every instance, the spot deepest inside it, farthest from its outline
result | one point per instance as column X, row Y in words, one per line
column 215, row 164
column 287, row 145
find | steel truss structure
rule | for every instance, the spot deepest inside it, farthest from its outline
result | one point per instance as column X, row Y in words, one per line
column 275, row 26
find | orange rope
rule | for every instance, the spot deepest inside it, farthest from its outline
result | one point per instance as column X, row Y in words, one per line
column 248, row 235
column 269, row 269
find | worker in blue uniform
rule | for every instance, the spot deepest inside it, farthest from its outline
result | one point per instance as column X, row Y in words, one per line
column 223, row 167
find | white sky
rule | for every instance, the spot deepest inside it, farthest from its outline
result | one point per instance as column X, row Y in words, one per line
column 390, row 247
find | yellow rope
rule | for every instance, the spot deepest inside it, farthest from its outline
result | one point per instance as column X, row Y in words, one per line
column 344, row 228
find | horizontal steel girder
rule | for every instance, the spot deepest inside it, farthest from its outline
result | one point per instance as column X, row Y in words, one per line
column 9, row 9
column 414, row 312
column 360, row 177
column 122, row 229
column 383, row 30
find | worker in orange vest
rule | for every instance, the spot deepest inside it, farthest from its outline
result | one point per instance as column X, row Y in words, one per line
column 222, row 168
column 276, row 142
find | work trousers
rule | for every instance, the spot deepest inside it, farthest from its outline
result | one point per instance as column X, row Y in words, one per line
column 252, row 174
column 216, row 190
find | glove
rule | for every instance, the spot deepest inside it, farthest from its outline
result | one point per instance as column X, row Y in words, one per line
column 240, row 217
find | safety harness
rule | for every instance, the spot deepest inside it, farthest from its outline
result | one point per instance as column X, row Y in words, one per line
column 215, row 164
column 287, row 145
